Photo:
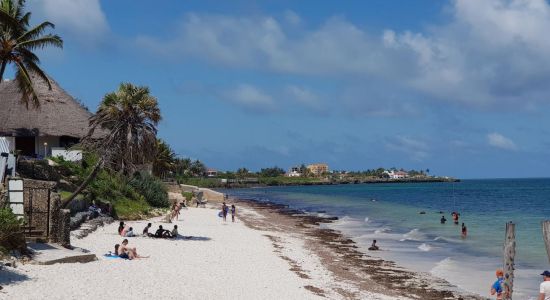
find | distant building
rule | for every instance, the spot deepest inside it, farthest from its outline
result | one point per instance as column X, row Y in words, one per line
column 396, row 174
column 211, row 173
column 294, row 172
column 318, row 169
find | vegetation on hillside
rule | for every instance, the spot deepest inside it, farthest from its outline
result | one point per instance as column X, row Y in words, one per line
column 10, row 232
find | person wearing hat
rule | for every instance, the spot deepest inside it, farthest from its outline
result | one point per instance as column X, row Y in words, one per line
column 545, row 286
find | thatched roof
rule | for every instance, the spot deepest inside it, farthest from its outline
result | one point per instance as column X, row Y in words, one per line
column 59, row 113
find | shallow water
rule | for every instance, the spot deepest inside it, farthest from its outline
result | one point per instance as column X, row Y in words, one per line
column 390, row 213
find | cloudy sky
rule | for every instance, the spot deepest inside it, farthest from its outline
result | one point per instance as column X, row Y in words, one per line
column 461, row 87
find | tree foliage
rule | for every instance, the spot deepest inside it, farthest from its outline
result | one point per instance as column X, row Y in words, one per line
column 17, row 43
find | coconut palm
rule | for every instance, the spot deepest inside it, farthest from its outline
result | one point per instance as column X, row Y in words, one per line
column 122, row 132
column 164, row 160
column 17, row 43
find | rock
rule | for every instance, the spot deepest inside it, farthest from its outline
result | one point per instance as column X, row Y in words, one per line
column 66, row 186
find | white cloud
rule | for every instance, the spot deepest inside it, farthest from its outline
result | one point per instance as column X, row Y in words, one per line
column 84, row 20
column 416, row 149
column 489, row 54
column 305, row 97
column 251, row 98
column 499, row 141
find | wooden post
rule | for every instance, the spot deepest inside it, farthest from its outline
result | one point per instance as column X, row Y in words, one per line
column 509, row 255
column 546, row 236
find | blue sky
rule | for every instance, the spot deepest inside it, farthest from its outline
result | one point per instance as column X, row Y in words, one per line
column 459, row 87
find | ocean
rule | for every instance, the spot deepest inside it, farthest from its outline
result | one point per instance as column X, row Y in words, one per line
column 405, row 221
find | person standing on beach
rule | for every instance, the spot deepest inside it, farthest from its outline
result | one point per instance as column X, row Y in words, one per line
column 120, row 228
column 545, row 286
column 224, row 211
column 233, row 212
column 498, row 288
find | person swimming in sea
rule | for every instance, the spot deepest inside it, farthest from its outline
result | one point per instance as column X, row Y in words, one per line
column 464, row 231
column 455, row 217
column 443, row 220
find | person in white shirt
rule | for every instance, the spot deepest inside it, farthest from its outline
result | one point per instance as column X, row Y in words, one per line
column 545, row 286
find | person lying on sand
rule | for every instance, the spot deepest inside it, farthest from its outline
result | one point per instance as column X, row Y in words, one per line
column 125, row 251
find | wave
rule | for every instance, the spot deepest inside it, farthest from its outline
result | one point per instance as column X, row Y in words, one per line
column 413, row 235
column 425, row 247
column 382, row 230
column 366, row 219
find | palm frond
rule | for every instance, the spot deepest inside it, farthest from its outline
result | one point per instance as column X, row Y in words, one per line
column 40, row 43
column 36, row 31
column 25, row 85
column 35, row 69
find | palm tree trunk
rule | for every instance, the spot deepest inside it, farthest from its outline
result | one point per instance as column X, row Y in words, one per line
column 2, row 69
column 84, row 184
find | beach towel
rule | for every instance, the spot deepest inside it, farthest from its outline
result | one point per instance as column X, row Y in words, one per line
column 113, row 256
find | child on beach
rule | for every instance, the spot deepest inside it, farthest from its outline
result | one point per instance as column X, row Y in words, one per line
column 174, row 232
column 499, row 288
column 373, row 247
column 130, row 232
column 224, row 211
column 233, row 212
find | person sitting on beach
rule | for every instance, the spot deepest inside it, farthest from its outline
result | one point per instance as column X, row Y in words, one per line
column 162, row 233
column 373, row 247
column 174, row 233
column 146, row 229
column 233, row 212
column 125, row 230
column 120, row 228
column 130, row 232
column 443, row 220
column 118, row 253
column 131, row 252
column 464, row 230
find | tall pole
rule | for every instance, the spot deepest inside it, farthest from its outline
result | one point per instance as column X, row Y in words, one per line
column 546, row 236
column 509, row 256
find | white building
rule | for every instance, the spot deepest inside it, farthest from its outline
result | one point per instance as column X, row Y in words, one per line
column 396, row 174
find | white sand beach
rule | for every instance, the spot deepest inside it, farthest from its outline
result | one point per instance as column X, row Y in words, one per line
column 221, row 260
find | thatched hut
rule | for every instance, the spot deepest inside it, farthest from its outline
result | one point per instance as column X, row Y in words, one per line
column 58, row 123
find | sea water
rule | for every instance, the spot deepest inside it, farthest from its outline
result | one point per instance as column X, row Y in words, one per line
column 405, row 220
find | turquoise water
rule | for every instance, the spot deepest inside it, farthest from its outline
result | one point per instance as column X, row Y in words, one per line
column 390, row 213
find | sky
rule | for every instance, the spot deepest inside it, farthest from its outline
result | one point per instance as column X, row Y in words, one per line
column 460, row 87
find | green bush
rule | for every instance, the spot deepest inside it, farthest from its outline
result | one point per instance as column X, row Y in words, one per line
column 152, row 189
column 11, row 236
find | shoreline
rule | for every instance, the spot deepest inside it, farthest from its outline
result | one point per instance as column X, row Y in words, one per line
column 341, row 256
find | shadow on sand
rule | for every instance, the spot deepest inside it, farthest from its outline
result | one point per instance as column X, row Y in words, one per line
column 9, row 276
column 195, row 238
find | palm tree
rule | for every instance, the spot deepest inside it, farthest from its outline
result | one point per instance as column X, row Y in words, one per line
column 17, row 43
column 164, row 160
column 182, row 166
column 122, row 132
